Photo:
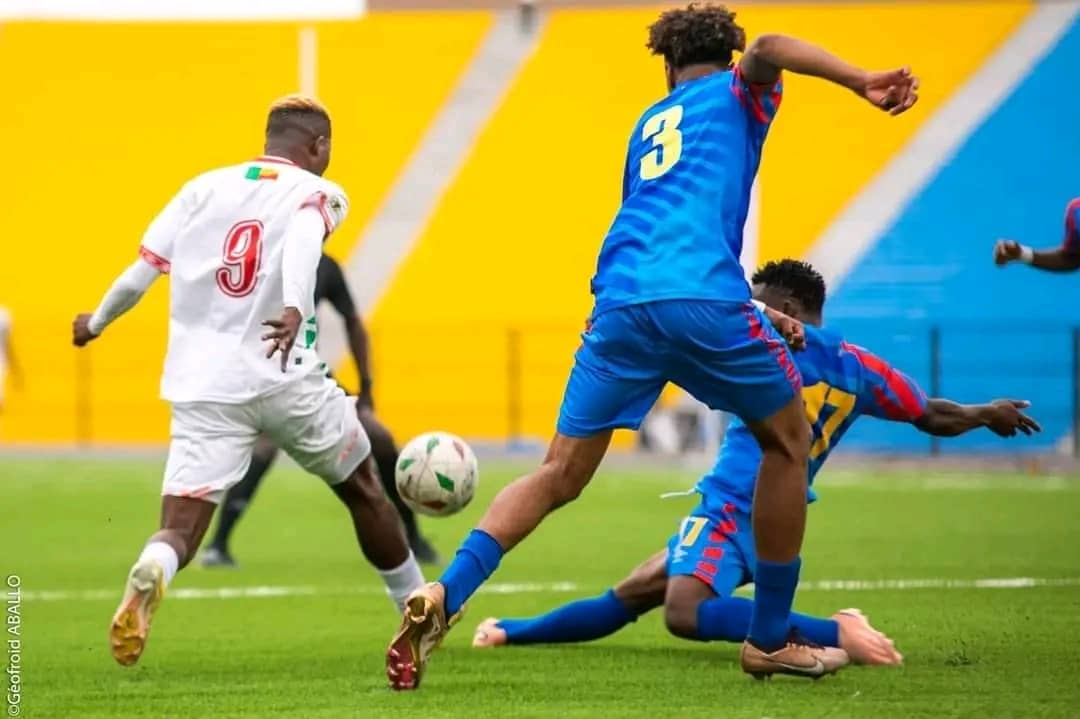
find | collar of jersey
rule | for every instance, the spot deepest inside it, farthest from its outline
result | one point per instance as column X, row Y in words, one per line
column 274, row 158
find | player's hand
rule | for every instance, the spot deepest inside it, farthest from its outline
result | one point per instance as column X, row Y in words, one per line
column 791, row 329
column 1006, row 251
column 283, row 334
column 1005, row 418
column 80, row 330
column 894, row 91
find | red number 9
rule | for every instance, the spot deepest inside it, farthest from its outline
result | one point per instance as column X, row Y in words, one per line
column 241, row 257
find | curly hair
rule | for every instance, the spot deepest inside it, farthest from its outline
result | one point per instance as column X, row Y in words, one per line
column 696, row 34
column 797, row 277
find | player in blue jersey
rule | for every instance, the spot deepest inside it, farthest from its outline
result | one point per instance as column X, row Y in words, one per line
column 1063, row 258
column 672, row 305
column 713, row 553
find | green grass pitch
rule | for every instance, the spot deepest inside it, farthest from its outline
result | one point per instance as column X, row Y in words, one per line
column 72, row 528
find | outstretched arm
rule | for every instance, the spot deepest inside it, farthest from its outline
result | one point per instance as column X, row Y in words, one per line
column 945, row 418
column 1059, row 259
column 894, row 91
column 125, row 293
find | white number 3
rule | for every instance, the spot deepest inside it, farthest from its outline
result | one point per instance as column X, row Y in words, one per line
column 663, row 129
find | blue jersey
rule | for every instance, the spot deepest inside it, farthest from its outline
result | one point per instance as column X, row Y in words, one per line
column 689, row 172
column 841, row 382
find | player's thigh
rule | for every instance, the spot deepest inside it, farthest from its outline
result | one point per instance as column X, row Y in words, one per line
column 784, row 432
column 209, row 449
column 316, row 424
column 730, row 357
column 616, row 377
column 714, row 545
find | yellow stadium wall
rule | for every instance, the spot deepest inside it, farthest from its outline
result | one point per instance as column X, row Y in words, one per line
column 110, row 119
column 106, row 121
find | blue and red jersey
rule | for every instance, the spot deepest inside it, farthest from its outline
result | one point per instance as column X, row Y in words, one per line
column 690, row 167
column 841, row 382
column 1072, row 226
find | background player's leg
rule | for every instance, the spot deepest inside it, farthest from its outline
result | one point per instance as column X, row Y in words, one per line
column 518, row 509
column 586, row 619
column 779, row 521
column 236, row 502
column 385, row 452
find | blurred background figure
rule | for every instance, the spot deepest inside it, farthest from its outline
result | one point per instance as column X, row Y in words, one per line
column 9, row 364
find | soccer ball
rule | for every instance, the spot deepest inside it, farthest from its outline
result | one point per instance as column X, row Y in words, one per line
column 437, row 474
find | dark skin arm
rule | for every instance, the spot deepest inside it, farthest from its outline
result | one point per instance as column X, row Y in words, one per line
column 1059, row 259
column 945, row 418
column 893, row 91
column 336, row 291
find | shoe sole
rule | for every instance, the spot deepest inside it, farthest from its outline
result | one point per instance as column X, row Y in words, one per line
column 404, row 664
column 131, row 623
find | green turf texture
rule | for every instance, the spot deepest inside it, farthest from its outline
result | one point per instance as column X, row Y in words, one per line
column 78, row 525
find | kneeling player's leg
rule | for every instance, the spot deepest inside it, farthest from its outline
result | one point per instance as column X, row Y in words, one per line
column 708, row 558
column 237, row 500
column 208, row 441
column 585, row 619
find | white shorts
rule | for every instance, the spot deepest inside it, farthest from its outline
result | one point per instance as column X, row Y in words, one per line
column 312, row 419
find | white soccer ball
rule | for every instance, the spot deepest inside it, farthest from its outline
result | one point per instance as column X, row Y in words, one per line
column 437, row 474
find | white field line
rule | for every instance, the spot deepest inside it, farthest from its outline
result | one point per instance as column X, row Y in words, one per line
column 826, row 585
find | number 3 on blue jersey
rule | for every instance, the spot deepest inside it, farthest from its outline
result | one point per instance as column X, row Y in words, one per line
column 663, row 129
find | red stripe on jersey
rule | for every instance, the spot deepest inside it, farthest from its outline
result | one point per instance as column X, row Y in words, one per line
column 318, row 201
column 776, row 348
column 713, row 553
column 155, row 260
column 910, row 407
column 706, row 568
column 758, row 90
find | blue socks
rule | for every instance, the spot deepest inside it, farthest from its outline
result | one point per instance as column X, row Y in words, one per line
column 474, row 562
column 774, row 591
column 580, row 621
column 728, row 619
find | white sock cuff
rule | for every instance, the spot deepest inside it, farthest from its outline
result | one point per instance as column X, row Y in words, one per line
column 403, row 580
column 164, row 555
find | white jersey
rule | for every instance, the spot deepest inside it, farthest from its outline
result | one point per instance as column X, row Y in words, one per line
column 221, row 241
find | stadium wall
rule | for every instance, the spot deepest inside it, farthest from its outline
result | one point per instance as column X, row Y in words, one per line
column 476, row 329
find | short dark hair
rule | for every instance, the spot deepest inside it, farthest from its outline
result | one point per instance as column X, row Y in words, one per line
column 298, row 112
column 696, row 34
column 797, row 277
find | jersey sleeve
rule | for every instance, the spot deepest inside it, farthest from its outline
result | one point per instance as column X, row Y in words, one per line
column 760, row 100
column 332, row 204
column 1072, row 226
column 334, row 288
column 158, row 240
column 886, row 392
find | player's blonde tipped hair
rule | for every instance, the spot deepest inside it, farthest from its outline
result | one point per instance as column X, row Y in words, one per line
column 298, row 103
column 298, row 112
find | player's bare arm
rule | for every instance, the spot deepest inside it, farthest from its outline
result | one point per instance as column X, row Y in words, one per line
column 1058, row 259
column 299, row 267
column 1003, row 417
column 893, row 91
column 124, row 294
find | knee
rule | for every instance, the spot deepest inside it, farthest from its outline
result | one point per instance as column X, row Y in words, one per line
column 565, row 481
column 363, row 487
column 680, row 619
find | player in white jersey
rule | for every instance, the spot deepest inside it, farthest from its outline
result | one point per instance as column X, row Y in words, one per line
column 241, row 245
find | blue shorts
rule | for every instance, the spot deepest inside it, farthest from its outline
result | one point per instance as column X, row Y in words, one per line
column 716, row 545
column 725, row 354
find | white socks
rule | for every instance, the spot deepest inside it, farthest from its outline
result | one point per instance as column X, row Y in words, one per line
column 402, row 581
column 164, row 555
